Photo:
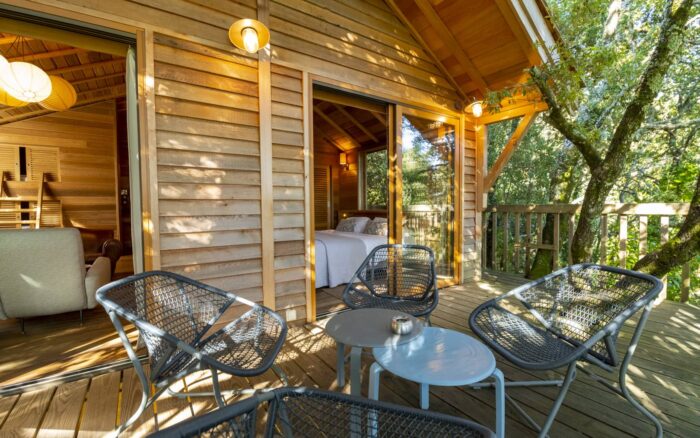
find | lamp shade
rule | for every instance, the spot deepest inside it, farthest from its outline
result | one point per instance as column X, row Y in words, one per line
column 249, row 35
column 343, row 159
column 25, row 81
column 62, row 97
column 477, row 109
column 7, row 100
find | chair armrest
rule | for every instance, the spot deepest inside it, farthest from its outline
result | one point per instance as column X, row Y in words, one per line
column 97, row 276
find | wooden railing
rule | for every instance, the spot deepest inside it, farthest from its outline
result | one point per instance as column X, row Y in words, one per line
column 513, row 233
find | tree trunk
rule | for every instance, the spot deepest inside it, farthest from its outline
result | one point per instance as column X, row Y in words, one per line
column 681, row 248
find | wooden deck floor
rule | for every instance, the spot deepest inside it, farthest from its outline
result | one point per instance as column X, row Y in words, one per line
column 664, row 375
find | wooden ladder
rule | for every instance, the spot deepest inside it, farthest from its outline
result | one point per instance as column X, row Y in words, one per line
column 15, row 212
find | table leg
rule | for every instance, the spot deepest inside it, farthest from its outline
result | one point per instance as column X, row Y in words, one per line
column 424, row 395
column 340, row 365
column 355, row 361
column 375, row 372
column 500, row 403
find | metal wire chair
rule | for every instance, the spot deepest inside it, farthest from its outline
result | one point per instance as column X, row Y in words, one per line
column 175, row 317
column 306, row 412
column 574, row 314
column 396, row 277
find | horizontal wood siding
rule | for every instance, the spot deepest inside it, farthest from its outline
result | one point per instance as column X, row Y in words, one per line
column 208, row 165
column 85, row 139
column 360, row 43
column 472, row 220
column 288, row 191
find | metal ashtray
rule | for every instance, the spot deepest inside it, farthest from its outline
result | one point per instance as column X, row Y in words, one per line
column 401, row 325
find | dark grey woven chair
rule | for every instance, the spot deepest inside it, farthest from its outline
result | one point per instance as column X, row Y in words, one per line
column 174, row 316
column 396, row 277
column 569, row 316
column 305, row 412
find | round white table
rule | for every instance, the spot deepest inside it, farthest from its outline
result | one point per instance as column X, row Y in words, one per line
column 365, row 328
column 444, row 358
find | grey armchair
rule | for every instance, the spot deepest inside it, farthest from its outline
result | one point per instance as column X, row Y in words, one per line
column 43, row 273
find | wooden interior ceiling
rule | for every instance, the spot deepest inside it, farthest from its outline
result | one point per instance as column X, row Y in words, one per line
column 95, row 76
column 480, row 44
column 348, row 126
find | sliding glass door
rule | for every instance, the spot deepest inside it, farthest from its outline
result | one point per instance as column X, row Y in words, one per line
column 426, row 186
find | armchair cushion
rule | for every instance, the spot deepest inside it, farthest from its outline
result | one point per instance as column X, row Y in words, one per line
column 97, row 276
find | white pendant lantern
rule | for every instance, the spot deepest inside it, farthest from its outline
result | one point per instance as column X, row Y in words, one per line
column 7, row 100
column 63, row 95
column 25, row 81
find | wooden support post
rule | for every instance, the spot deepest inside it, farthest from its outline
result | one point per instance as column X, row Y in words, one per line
column 516, row 244
column 572, row 228
column 39, row 201
column 643, row 222
column 604, row 239
column 622, row 245
column 494, row 238
column 555, row 243
column 528, row 233
column 484, row 237
column 505, row 255
column 664, row 239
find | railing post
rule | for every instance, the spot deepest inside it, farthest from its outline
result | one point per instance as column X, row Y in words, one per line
column 528, row 234
column 572, row 226
column 622, row 250
column 603, row 239
column 555, row 243
column 664, row 239
column 494, row 238
column 506, row 237
column 643, row 222
column 516, row 244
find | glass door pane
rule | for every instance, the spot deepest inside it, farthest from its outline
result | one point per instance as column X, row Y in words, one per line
column 428, row 149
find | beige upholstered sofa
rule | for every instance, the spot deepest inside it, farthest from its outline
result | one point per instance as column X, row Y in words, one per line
column 42, row 272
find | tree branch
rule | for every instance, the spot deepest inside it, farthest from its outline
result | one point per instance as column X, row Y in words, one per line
column 672, row 124
column 556, row 117
column 669, row 42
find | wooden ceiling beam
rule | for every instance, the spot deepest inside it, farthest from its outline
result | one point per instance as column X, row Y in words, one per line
column 521, row 35
column 416, row 35
column 356, row 122
column 337, row 127
column 518, row 110
column 348, row 100
column 12, row 38
column 81, row 67
column 46, row 55
column 453, row 46
column 381, row 118
column 97, row 78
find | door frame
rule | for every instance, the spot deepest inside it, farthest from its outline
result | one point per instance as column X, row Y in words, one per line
column 396, row 209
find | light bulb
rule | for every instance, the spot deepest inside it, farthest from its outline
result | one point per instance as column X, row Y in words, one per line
column 250, row 40
column 25, row 81
column 477, row 109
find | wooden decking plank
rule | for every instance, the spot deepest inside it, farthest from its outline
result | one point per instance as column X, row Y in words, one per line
column 100, row 414
column 62, row 417
column 6, row 405
column 130, row 401
column 27, row 414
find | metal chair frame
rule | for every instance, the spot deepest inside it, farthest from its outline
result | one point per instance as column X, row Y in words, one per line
column 579, row 351
column 364, row 418
column 429, row 295
column 197, row 359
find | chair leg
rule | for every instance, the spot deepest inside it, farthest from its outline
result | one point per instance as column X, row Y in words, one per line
column 570, row 376
column 82, row 321
column 281, row 374
column 21, row 326
column 623, row 373
column 217, row 389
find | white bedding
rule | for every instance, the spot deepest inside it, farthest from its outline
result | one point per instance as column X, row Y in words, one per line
column 339, row 254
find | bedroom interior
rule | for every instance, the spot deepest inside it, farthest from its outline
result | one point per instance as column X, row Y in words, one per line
column 66, row 182
column 350, row 181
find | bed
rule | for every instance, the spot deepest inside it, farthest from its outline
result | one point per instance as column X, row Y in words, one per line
column 339, row 254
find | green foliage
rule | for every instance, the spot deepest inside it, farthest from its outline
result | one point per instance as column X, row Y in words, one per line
column 377, row 182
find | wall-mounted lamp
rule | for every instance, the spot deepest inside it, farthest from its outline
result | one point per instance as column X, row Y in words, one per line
column 344, row 161
column 249, row 35
column 476, row 108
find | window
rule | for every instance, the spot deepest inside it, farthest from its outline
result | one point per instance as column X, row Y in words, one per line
column 376, row 180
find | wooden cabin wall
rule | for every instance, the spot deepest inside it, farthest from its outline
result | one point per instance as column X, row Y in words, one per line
column 85, row 139
column 348, row 182
column 471, row 266
column 344, row 183
column 207, row 120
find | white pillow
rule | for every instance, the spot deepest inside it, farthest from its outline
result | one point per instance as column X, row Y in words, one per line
column 378, row 227
column 353, row 224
